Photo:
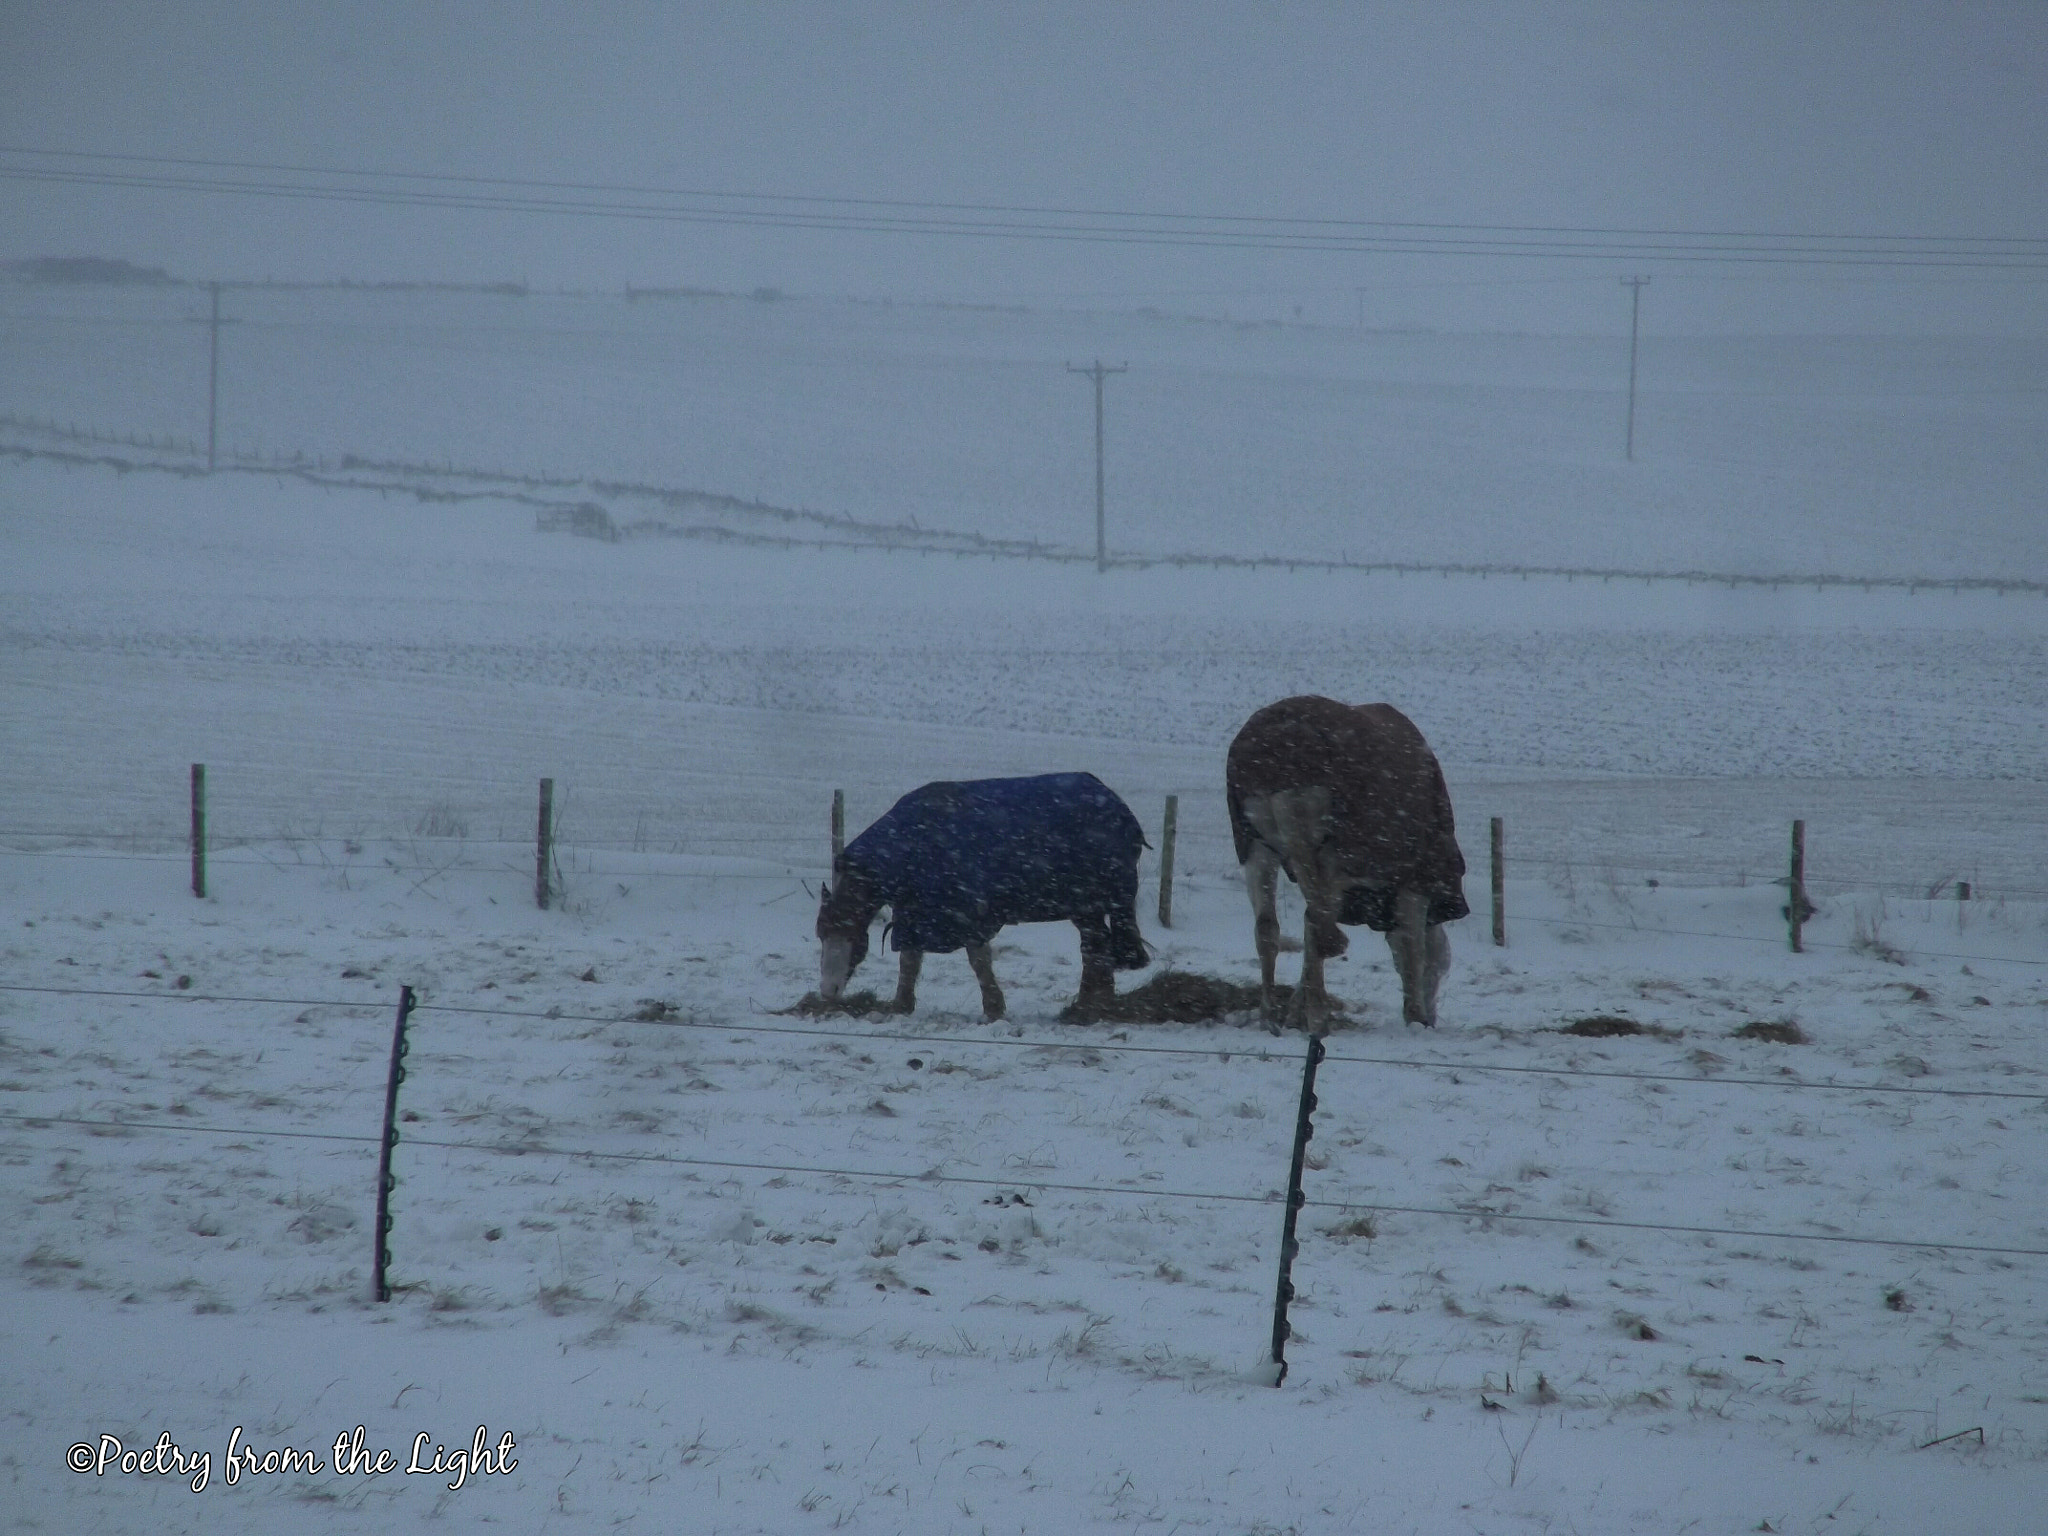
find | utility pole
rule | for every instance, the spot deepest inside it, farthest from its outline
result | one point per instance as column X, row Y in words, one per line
column 213, row 380
column 1098, row 373
column 1635, row 310
column 214, row 323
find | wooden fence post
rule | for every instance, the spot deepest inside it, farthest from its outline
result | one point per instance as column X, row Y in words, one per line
column 1500, row 890
column 544, row 843
column 1795, row 887
column 199, row 829
column 838, row 826
column 1166, row 837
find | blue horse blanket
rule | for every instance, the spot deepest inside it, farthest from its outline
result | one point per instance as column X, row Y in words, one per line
column 959, row 861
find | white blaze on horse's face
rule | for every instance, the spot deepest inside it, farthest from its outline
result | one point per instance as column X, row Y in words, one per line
column 835, row 965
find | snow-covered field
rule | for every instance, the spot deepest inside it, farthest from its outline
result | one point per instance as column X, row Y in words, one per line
column 1006, row 1306
column 716, row 1267
column 1907, row 456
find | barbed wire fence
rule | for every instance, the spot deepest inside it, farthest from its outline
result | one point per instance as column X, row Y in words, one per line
column 1272, row 1052
column 764, row 854
column 1446, row 1066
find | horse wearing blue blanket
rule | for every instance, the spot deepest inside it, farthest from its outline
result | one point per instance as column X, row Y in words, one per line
column 957, row 862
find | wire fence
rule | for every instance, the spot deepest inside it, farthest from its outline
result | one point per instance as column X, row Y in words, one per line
column 796, row 865
column 1223, row 1053
column 527, row 1147
column 800, row 852
column 928, row 1177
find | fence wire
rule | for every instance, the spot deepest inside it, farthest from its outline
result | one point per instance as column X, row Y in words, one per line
column 530, row 1149
column 1225, row 1053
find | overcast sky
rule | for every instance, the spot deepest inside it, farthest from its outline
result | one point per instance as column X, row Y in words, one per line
column 1925, row 120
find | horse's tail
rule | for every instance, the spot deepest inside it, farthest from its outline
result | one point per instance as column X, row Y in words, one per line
column 1241, row 834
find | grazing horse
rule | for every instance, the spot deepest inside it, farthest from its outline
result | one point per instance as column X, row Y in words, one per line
column 1349, row 800
column 955, row 863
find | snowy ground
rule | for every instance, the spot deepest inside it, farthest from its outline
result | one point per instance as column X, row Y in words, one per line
column 1008, row 1308
column 1914, row 456
column 713, row 1274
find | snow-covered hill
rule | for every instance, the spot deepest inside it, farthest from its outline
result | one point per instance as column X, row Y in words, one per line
column 1854, row 456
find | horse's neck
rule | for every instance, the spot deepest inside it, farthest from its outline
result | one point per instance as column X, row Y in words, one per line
column 855, row 902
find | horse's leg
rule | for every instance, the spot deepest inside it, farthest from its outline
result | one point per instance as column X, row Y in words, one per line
column 1301, row 817
column 911, row 962
column 1311, row 1007
column 1261, row 883
column 1098, row 974
column 1421, row 954
column 982, row 959
column 1127, row 951
column 1436, row 966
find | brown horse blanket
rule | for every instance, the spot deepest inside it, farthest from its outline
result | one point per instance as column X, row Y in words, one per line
column 1390, row 811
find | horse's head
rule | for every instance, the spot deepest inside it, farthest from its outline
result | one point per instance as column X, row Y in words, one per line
column 845, row 909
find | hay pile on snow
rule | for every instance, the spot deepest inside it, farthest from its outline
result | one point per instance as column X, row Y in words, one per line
column 1601, row 1026
column 1170, row 997
column 858, row 1005
column 1184, row 997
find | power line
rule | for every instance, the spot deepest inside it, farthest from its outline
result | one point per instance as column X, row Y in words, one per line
column 1003, row 221
column 628, row 188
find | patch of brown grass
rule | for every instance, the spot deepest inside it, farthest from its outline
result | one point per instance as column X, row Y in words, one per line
column 1601, row 1026
column 858, row 1005
column 1184, row 997
column 1777, row 1031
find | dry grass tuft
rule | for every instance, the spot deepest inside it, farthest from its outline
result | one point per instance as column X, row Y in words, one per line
column 858, row 1005
column 1779, row 1032
column 1184, row 997
column 1601, row 1026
